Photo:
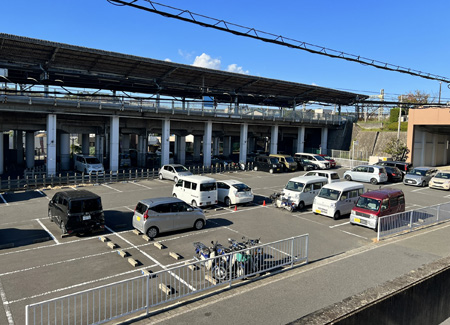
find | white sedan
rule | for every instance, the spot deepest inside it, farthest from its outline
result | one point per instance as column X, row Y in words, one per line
column 233, row 192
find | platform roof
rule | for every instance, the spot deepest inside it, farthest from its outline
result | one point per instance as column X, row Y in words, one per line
column 43, row 62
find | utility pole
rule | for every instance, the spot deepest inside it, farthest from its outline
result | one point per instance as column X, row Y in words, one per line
column 399, row 118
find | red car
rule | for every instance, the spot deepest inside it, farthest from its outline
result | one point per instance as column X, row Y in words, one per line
column 331, row 160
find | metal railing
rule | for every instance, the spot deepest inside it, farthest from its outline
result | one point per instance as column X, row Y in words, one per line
column 404, row 222
column 40, row 180
column 109, row 302
column 349, row 163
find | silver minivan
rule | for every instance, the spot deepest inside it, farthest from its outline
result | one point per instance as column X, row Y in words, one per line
column 367, row 173
column 157, row 215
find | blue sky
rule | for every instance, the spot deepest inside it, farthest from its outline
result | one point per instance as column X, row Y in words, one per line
column 410, row 34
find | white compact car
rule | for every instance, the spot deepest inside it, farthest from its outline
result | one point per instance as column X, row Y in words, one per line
column 173, row 172
column 88, row 165
column 233, row 192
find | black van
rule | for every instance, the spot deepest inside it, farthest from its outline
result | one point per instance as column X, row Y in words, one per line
column 77, row 212
column 267, row 164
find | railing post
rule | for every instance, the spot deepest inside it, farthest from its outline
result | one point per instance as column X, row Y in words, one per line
column 437, row 214
column 411, row 220
column 292, row 252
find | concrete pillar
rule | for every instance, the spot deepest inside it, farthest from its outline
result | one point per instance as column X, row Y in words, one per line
column 114, row 143
column 19, row 147
column 165, row 142
column 64, row 148
column 207, row 139
column 216, row 146
column 301, row 139
column 324, row 141
column 243, row 143
column 274, row 139
column 2, row 155
column 142, row 150
column 227, row 149
column 424, row 145
column 85, row 144
column 445, row 155
column 434, row 151
column 51, row 144
column 197, row 147
column 29, row 147
column 99, row 146
column 125, row 143
column 181, row 149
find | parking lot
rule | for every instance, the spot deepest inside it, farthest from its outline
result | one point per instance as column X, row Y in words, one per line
column 38, row 264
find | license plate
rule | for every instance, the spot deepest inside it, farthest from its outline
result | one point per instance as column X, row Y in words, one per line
column 88, row 217
column 317, row 211
column 357, row 220
column 208, row 203
column 138, row 218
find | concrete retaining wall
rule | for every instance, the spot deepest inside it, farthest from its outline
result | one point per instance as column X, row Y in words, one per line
column 419, row 297
column 374, row 142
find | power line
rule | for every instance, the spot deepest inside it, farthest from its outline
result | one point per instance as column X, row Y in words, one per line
column 205, row 21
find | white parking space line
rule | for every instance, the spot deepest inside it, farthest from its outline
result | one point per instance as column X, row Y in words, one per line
column 112, row 188
column 420, row 189
column 3, row 199
column 151, row 258
column 349, row 233
column 48, row 231
column 137, row 184
column 341, row 224
column 6, row 305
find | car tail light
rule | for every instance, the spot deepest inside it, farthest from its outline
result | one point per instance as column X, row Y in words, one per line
column 145, row 215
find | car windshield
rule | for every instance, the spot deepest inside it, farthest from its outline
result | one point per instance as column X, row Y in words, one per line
column 419, row 172
column 329, row 194
column 294, row 186
column 92, row 160
column 274, row 160
column 241, row 187
column 79, row 206
column 368, row 203
column 289, row 159
column 206, row 187
column 442, row 175
column 181, row 169
column 319, row 157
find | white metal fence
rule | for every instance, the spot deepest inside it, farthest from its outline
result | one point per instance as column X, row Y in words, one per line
column 109, row 302
column 410, row 220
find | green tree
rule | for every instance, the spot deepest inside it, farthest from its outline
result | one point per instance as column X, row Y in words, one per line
column 411, row 100
column 396, row 149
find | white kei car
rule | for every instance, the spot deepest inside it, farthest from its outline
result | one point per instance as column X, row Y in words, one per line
column 233, row 192
column 173, row 172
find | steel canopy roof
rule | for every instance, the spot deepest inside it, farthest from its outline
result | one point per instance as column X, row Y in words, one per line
column 43, row 62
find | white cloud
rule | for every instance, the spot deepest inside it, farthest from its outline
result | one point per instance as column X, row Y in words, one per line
column 205, row 61
column 234, row 68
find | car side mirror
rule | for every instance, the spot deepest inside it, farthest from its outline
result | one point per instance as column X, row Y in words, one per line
column 190, row 209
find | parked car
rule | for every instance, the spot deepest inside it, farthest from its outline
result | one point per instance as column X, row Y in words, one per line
column 302, row 190
column 303, row 164
column 330, row 175
column 88, row 165
column 419, row 176
column 77, row 212
column 394, row 174
column 331, row 160
column 173, row 172
column 124, row 160
column 196, row 190
column 441, row 180
column 233, row 192
column 158, row 215
column 222, row 160
column 286, row 161
column 402, row 165
column 318, row 161
column 375, row 204
column 367, row 173
column 267, row 164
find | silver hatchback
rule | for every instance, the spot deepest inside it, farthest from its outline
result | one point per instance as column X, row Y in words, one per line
column 157, row 215
column 367, row 173
column 419, row 176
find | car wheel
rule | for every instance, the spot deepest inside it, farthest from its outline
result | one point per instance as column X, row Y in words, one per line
column 271, row 170
column 227, row 201
column 193, row 203
column 160, row 176
column 424, row 183
column 174, row 195
column 373, row 181
column 175, row 179
column 301, row 205
column 255, row 168
column 348, row 177
column 198, row 224
column 152, row 232
column 337, row 215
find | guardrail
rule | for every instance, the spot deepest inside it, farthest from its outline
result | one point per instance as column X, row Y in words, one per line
column 116, row 300
column 74, row 179
column 404, row 222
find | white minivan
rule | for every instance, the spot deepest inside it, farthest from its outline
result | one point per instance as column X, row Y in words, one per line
column 303, row 189
column 337, row 199
column 330, row 175
column 196, row 190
